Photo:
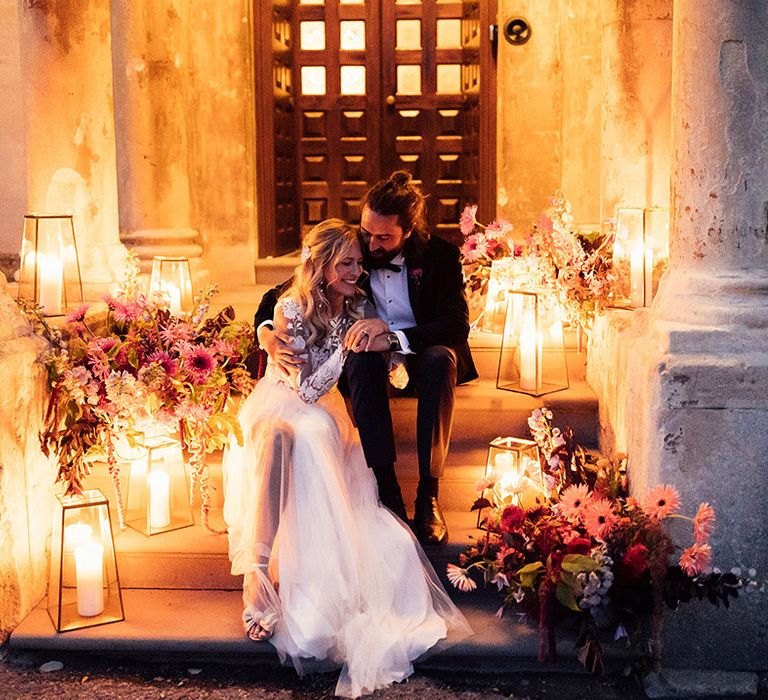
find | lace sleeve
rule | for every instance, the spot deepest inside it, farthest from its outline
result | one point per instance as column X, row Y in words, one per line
column 322, row 370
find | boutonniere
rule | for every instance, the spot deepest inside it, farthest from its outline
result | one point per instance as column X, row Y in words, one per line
column 415, row 274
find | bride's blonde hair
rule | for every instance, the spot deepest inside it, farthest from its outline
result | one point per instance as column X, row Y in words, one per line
column 324, row 245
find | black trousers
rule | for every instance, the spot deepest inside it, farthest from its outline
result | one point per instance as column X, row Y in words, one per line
column 432, row 378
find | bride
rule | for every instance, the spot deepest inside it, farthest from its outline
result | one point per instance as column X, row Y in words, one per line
column 331, row 577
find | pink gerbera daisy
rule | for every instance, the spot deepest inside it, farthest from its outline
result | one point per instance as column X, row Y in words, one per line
column 599, row 517
column 573, row 501
column 199, row 363
column 703, row 523
column 78, row 314
column 127, row 311
column 460, row 578
column 168, row 364
column 696, row 558
column 661, row 502
column 467, row 220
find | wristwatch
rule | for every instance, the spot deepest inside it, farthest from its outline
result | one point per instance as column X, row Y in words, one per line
column 394, row 342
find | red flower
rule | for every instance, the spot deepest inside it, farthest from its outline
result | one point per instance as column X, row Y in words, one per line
column 578, row 545
column 512, row 518
column 635, row 561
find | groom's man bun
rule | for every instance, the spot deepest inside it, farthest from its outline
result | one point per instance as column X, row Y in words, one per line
column 400, row 196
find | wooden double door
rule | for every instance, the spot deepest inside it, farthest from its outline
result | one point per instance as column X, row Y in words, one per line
column 348, row 91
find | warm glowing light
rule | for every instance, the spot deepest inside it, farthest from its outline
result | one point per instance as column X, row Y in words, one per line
column 89, row 567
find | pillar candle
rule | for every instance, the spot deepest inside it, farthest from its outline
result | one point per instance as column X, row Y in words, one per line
column 89, row 568
column 648, row 296
column 636, row 276
column 174, row 294
column 51, row 275
column 528, row 369
column 159, row 499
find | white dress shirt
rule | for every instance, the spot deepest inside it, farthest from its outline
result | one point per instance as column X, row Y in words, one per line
column 393, row 305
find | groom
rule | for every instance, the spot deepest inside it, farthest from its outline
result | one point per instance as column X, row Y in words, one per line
column 415, row 282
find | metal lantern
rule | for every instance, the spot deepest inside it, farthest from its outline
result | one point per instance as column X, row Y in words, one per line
column 506, row 274
column 49, row 273
column 532, row 359
column 171, row 280
column 83, row 587
column 158, row 488
column 640, row 253
column 513, row 467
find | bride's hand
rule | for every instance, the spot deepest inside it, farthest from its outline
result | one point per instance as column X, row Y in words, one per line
column 367, row 335
column 278, row 345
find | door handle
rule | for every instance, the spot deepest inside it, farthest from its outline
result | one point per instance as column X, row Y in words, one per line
column 390, row 100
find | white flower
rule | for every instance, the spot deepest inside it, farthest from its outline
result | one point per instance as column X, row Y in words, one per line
column 500, row 580
column 459, row 578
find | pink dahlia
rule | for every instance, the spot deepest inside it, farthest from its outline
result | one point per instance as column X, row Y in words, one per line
column 573, row 501
column 695, row 559
column 661, row 502
column 704, row 523
column 467, row 220
column 599, row 517
column 199, row 363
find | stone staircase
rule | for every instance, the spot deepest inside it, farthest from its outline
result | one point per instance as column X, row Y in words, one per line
column 180, row 599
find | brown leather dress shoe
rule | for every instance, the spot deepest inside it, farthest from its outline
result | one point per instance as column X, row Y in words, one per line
column 429, row 523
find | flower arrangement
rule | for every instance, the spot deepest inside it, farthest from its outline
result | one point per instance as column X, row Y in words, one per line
column 482, row 245
column 587, row 550
column 141, row 365
column 577, row 263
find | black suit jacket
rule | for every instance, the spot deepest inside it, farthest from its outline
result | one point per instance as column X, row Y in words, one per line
column 436, row 291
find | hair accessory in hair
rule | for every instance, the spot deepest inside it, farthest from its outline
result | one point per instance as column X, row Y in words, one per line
column 305, row 253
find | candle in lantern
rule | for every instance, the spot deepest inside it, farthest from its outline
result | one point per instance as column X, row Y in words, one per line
column 648, row 292
column 89, row 568
column 636, row 276
column 504, row 461
column 76, row 534
column 51, row 274
column 528, row 357
column 159, row 499
column 174, row 294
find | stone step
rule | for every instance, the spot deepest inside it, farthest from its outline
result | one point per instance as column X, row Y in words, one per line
column 274, row 270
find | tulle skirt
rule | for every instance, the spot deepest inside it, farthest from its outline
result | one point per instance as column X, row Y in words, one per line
column 341, row 578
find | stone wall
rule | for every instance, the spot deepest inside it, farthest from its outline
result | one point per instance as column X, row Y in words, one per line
column 26, row 476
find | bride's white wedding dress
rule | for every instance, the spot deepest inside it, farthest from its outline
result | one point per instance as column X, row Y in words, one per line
column 341, row 579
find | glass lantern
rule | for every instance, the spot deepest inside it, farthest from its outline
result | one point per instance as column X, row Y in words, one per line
column 171, row 279
column 514, row 467
column 640, row 253
column 532, row 359
column 49, row 273
column 158, row 488
column 84, row 587
column 506, row 274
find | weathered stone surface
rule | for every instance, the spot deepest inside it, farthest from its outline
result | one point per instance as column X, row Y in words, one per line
column 26, row 476
column 700, row 684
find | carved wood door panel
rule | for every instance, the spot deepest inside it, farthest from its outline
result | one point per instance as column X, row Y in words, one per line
column 377, row 86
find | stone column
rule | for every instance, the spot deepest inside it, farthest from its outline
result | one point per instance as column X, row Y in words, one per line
column 67, row 69
column 636, row 61
column 151, row 59
column 698, row 379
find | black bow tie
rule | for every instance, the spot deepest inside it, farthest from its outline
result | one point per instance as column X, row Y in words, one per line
column 382, row 265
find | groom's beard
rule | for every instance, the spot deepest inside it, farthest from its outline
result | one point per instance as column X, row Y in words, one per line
column 371, row 261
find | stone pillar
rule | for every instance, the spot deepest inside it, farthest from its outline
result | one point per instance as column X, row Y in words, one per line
column 637, row 74
column 697, row 382
column 67, row 68
column 13, row 146
column 26, row 476
column 151, row 58
column 580, row 33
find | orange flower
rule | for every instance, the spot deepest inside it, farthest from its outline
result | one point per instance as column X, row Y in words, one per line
column 704, row 523
column 695, row 559
column 661, row 501
column 599, row 517
column 573, row 501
